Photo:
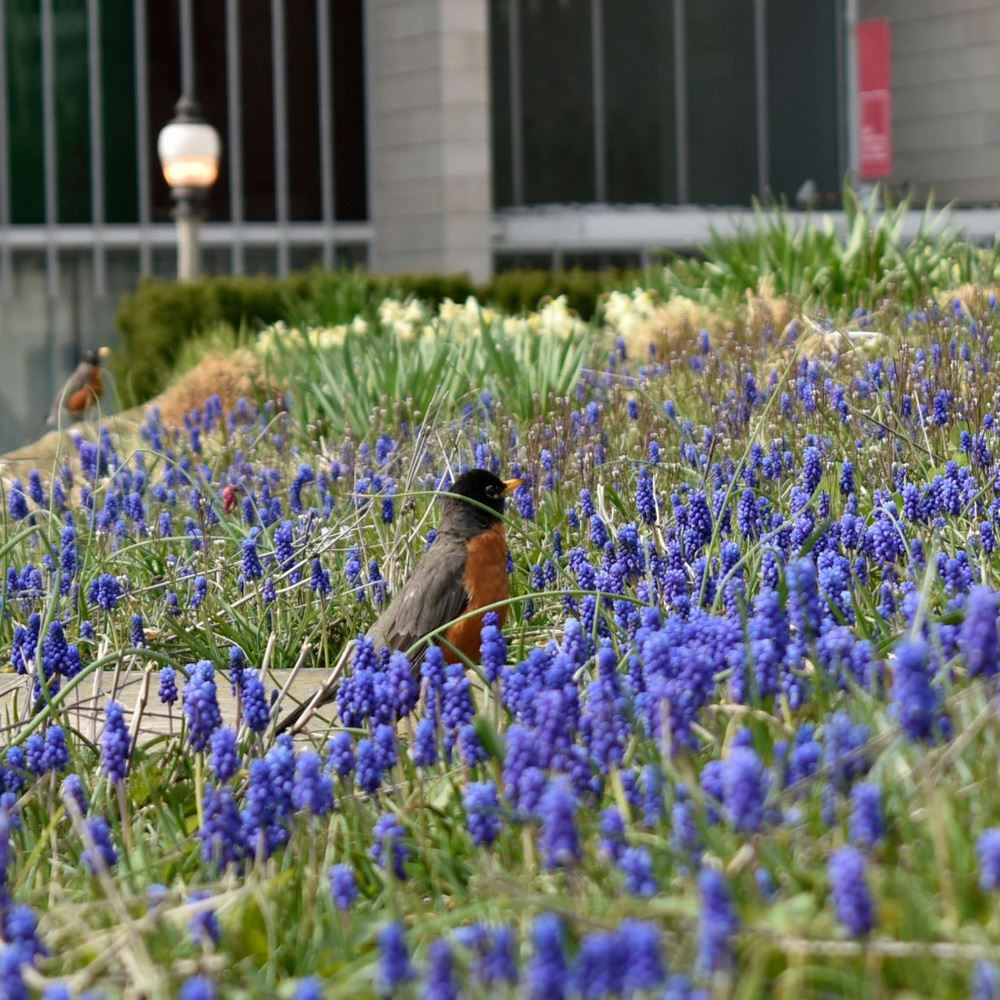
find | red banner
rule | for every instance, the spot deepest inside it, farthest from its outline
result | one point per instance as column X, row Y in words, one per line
column 874, row 98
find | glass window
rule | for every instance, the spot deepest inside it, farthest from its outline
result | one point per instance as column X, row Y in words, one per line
column 302, row 112
column 557, row 101
column 261, row 260
column 500, row 119
column 163, row 73
column 721, row 109
column 122, row 271
column 351, row 256
column 639, row 101
column 121, row 198
column 209, row 19
column 258, row 111
column 802, row 97
column 349, row 150
column 303, row 257
column 600, row 261
column 504, row 262
column 72, row 97
column 26, row 155
column 164, row 263
column 216, row 260
column 163, row 48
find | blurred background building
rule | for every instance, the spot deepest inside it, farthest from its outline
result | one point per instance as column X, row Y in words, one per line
column 446, row 135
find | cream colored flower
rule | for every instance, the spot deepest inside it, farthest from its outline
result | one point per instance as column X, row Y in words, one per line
column 332, row 337
column 449, row 311
column 389, row 311
column 404, row 331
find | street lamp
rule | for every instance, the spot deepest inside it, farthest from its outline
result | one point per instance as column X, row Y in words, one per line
column 189, row 150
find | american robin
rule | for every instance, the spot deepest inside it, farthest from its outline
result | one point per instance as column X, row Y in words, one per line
column 464, row 569
column 82, row 391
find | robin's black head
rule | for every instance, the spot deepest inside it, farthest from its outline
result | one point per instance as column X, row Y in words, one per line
column 487, row 493
column 94, row 357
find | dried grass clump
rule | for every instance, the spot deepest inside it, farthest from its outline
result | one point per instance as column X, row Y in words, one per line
column 974, row 298
column 667, row 325
column 765, row 308
column 679, row 320
column 230, row 376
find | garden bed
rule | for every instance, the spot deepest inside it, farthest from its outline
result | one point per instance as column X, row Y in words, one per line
column 738, row 736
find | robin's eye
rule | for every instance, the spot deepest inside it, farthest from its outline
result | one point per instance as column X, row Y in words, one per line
column 491, row 491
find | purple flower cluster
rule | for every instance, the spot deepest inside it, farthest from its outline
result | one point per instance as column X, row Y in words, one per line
column 201, row 705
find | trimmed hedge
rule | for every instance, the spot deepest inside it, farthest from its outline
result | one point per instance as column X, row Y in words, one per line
column 160, row 316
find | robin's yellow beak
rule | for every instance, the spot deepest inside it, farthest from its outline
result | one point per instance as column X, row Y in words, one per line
column 510, row 485
column 103, row 352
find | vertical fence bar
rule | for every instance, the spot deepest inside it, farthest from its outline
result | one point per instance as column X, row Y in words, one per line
column 279, row 86
column 851, row 15
column 96, row 143
column 367, row 45
column 516, row 114
column 597, row 82
column 680, row 102
column 326, row 163
column 49, row 146
column 6, row 277
column 760, row 80
column 142, row 135
column 187, row 49
column 234, row 111
column 51, row 194
column 840, row 17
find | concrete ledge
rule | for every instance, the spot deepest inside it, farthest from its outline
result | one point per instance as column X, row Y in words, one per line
column 636, row 228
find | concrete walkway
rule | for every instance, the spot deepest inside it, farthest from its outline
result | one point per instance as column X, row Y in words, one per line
column 147, row 717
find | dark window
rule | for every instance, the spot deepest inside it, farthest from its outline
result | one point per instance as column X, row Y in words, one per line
column 522, row 262
column 122, row 271
column 721, row 109
column 349, row 152
column 802, row 97
column 261, row 260
column 301, row 60
column 163, row 69
column 351, row 256
column 118, row 112
column 303, row 258
column 258, row 110
column 639, row 101
column 600, row 261
column 500, row 118
column 26, row 156
column 69, row 45
column 557, row 101
column 209, row 20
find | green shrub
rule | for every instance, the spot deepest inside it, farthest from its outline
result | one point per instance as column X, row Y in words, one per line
column 158, row 318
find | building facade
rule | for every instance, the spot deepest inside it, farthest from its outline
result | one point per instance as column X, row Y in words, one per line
column 440, row 135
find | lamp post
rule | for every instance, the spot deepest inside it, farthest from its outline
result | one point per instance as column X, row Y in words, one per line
column 189, row 150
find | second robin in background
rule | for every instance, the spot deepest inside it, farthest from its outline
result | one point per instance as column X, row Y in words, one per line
column 464, row 569
column 82, row 392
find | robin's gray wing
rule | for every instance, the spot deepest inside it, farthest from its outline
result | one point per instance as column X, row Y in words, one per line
column 433, row 595
column 79, row 379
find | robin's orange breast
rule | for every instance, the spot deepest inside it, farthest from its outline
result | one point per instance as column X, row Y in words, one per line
column 85, row 397
column 486, row 582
